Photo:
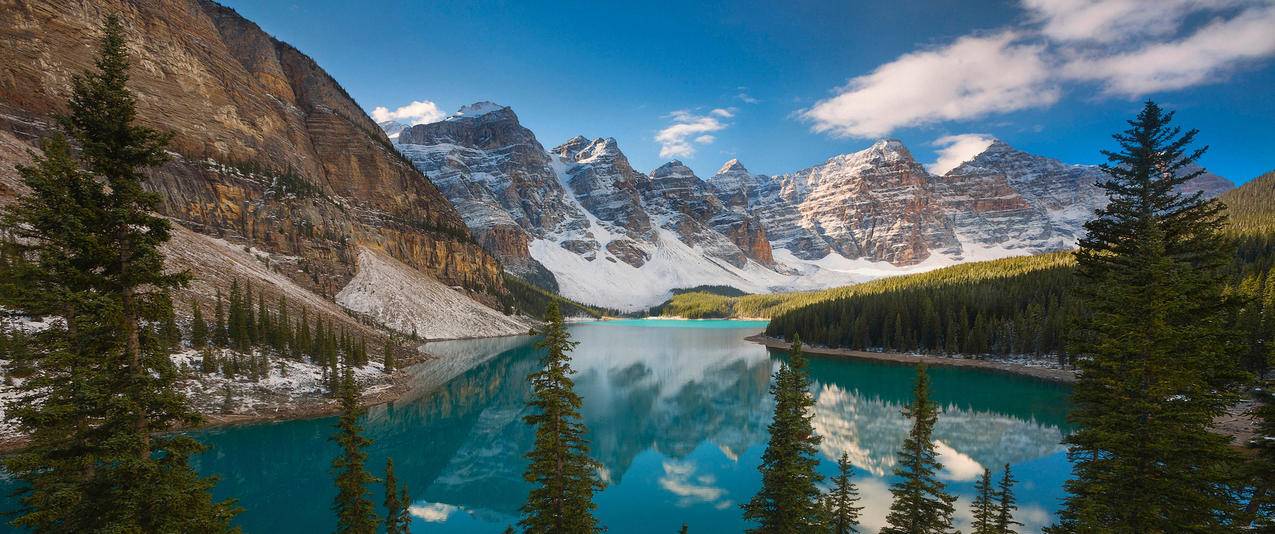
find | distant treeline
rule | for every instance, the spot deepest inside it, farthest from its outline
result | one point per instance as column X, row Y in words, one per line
column 1019, row 306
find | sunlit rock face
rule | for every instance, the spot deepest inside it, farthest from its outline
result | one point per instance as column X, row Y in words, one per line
column 877, row 203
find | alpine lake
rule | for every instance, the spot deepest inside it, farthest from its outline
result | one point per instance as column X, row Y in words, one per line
column 677, row 413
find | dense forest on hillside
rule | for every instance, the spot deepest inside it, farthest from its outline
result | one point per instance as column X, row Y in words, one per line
column 534, row 301
column 1008, row 306
column 1251, row 207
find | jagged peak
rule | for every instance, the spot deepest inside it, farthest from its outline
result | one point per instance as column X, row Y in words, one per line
column 477, row 109
column 672, row 168
column 732, row 166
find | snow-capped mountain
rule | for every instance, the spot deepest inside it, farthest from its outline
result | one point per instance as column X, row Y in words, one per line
column 581, row 220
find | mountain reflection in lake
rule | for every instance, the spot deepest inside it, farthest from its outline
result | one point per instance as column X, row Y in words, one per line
column 677, row 414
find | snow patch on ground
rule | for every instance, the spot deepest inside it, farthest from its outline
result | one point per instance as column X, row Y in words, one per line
column 674, row 265
column 407, row 300
column 290, row 385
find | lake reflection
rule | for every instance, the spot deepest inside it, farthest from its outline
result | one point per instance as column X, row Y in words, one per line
column 677, row 416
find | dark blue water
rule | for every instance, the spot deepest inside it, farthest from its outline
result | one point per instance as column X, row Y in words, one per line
column 677, row 413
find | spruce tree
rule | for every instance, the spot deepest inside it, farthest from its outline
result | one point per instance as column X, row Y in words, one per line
column 354, row 512
column 101, row 388
column 984, row 509
column 842, row 502
column 1160, row 363
column 389, row 361
column 198, row 328
column 397, row 518
column 562, row 475
column 219, row 338
column 921, row 502
column 1005, row 504
column 788, row 501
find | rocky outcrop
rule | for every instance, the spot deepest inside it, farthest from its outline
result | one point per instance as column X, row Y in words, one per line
column 691, row 208
column 601, row 179
column 270, row 151
column 877, row 204
column 760, row 196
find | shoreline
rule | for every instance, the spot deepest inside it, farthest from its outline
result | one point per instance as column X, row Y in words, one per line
column 1052, row 375
column 401, row 383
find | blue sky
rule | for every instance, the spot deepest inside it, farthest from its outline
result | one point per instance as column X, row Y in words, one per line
column 786, row 85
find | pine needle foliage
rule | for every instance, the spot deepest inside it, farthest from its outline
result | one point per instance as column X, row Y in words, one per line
column 1161, row 360
column 921, row 504
column 789, row 499
column 103, row 388
column 563, row 476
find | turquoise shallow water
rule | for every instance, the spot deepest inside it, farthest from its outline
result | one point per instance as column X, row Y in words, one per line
column 677, row 412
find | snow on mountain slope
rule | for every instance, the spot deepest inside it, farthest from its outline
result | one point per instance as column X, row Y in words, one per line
column 579, row 219
column 401, row 298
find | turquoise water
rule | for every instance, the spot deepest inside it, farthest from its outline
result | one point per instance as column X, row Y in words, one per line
column 677, row 412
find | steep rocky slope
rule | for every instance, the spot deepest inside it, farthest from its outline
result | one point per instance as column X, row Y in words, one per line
column 578, row 218
column 269, row 151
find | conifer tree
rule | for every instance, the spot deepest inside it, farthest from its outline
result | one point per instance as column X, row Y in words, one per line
column 562, row 475
column 302, row 340
column 1005, row 504
column 89, row 254
column 169, row 335
column 235, row 329
column 354, row 512
column 219, row 338
column 250, row 318
column 1160, row 361
column 389, row 361
column 397, row 518
column 984, row 508
column 789, row 500
column 921, row 502
column 283, row 327
column 842, row 501
column 198, row 328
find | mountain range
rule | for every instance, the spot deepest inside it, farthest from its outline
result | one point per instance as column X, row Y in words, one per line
column 579, row 219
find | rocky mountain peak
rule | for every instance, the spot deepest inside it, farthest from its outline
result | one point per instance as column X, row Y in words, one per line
column 478, row 109
column 671, row 170
column 568, row 149
column 730, row 167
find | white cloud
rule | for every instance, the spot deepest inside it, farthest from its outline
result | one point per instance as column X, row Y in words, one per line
column 954, row 150
column 418, row 112
column 746, row 98
column 970, row 78
column 1108, row 21
column 1129, row 47
column 1199, row 58
column 678, row 480
column 688, row 129
column 436, row 512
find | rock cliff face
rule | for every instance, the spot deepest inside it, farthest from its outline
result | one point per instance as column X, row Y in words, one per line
column 603, row 232
column 269, row 151
column 580, row 211
column 878, row 203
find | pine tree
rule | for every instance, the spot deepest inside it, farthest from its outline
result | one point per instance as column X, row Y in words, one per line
column 283, row 328
column 354, row 512
column 235, row 330
column 219, row 337
column 198, row 328
column 788, row 501
column 1161, row 362
column 250, row 319
column 562, row 475
column 389, row 361
column 921, row 502
column 1005, row 504
column 397, row 518
column 842, row 501
column 169, row 335
column 984, row 508
column 302, row 341
column 89, row 254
